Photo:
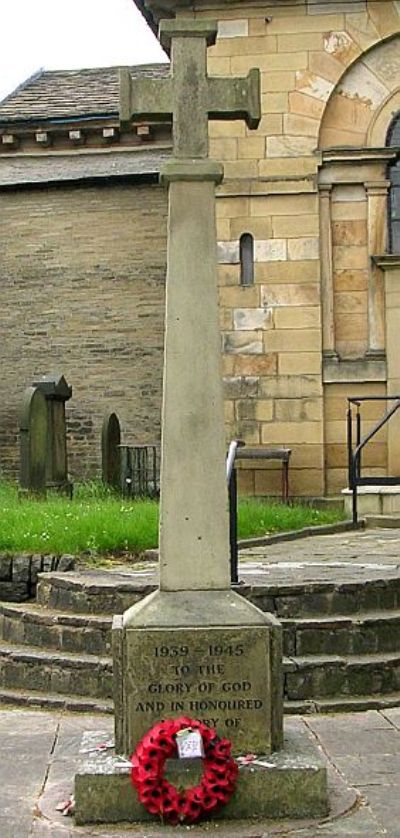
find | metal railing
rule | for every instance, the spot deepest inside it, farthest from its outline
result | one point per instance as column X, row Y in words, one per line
column 140, row 470
column 237, row 449
column 354, row 454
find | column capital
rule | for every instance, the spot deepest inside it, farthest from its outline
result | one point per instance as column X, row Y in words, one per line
column 377, row 187
column 325, row 189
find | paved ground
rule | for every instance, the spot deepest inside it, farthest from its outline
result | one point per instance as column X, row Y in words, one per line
column 370, row 546
column 38, row 758
column 38, row 750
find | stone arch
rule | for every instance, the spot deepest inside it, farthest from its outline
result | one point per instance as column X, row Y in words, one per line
column 364, row 100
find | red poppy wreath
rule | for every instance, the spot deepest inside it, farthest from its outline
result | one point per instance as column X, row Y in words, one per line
column 160, row 797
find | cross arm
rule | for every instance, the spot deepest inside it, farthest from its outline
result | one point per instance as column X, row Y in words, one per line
column 144, row 98
column 236, row 98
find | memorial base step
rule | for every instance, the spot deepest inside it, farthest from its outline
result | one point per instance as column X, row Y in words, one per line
column 291, row 784
column 373, row 500
column 54, row 701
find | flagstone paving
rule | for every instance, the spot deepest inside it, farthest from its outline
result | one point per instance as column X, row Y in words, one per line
column 39, row 756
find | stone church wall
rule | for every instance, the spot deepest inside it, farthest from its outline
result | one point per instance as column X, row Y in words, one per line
column 82, row 284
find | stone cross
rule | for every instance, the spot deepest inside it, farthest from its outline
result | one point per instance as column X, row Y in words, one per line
column 194, row 548
column 189, row 97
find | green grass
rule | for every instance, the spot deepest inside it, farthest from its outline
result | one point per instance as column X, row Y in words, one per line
column 98, row 522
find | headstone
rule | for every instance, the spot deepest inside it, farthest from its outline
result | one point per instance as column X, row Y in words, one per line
column 56, row 392
column 194, row 646
column 111, row 451
column 33, row 442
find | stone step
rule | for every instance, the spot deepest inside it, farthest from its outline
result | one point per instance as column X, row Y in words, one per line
column 28, row 668
column 93, row 591
column 350, row 704
column 54, row 701
column 31, row 624
column 313, row 677
column 358, row 634
column 320, row 590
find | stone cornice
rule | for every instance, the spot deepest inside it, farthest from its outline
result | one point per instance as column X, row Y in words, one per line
column 358, row 155
column 387, row 261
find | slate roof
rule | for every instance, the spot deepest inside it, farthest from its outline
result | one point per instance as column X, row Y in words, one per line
column 68, row 168
column 70, row 94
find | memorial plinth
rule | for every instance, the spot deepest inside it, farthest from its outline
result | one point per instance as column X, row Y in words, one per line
column 210, row 655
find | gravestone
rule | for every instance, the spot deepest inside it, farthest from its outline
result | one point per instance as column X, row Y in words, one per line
column 56, row 392
column 111, row 451
column 33, row 442
column 195, row 647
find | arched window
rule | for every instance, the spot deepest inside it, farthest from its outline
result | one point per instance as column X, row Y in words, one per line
column 393, row 141
column 246, row 249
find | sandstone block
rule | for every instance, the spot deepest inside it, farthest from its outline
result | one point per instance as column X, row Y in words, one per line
column 252, row 147
column 349, row 232
column 264, row 410
column 233, row 28
column 245, row 343
column 349, row 210
column 277, row 82
column 350, row 280
column 263, row 364
column 228, row 252
column 292, row 363
column 240, row 297
column 275, row 103
column 218, row 66
column 224, row 148
column 350, row 257
column 245, row 482
column 260, row 228
column 289, row 295
column 305, row 340
column 295, row 226
column 223, row 229
column 298, row 410
column 226, row 319
column 284, row 433
column 306, row 247
column 231, row 208
column 302, row 272
column 351, row 326
column 228, row 274
column 295, row 23
column 291, row 318
column 252, row 318
column 245, row 410
column 270, row 250
column 290, row 146
column 354, row 302
column 248, row 431
column 302, row 126
column 240, row 386
column 290, row 386
column 283, row 166
column 271, row 123
column 218, row 128
column 241, row 169
column 323, row 64
column 304, row 105
column 284, row 205
column 296, row 42
column 312, row 85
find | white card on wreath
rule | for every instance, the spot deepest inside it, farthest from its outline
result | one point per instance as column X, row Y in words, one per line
column 189, row 744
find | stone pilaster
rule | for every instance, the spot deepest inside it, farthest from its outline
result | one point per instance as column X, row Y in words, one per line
column 377, row 193
column 328, row 322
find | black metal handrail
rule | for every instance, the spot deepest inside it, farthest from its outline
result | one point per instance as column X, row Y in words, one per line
column 354, row 456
